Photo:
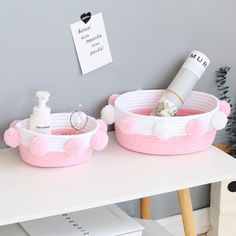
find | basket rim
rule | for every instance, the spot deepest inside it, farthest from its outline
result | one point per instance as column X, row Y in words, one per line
column 157, row 118
column 82, row 135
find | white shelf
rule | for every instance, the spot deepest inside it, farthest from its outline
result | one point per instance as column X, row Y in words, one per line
column 112, row 176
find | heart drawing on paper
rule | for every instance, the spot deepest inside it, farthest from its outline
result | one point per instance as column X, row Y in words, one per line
column 85, row 17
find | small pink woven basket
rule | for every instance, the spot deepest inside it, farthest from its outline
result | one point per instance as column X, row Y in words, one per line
column 53, row 150
column 192, row 130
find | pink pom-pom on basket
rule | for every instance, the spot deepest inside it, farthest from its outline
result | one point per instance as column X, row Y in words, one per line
column 128, row 125
column 74, row 147
column 195, row 128
column 225, row 107
column 38, row 146
column 99, row 141
column 12, row 138
column 102, row 125
column 112, row 99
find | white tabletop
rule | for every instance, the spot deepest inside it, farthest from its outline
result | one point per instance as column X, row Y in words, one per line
column 113, row 175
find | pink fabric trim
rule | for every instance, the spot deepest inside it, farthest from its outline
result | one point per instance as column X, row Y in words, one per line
column 99, row 141
column 196, row 128
column 128, row 125
column 181, row 112
column 102, row 125
column 113, row 98
column 54, row 159
column 14, row 123
column 173, row 146
column 74, row 147
column 38, row 146
column 225, row 107
column 12, row 138
column 66, row 132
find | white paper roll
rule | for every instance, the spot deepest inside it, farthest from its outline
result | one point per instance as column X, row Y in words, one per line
column 182, row 84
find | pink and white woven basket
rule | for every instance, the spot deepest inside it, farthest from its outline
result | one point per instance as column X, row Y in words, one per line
column 192, row 130
column 53, row 150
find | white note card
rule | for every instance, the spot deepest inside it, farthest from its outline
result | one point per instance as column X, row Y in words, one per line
column 91, row 43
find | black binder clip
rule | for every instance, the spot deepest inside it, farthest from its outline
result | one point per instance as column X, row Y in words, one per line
column 86, row 17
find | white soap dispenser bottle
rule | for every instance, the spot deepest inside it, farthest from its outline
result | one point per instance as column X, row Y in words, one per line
column 40, row 120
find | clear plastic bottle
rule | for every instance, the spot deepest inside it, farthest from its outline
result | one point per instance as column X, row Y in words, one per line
column 182, row 84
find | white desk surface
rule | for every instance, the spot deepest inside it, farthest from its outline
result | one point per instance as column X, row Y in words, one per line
column 113, row 175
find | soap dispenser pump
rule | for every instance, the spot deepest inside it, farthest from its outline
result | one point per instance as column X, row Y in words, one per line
column 40, row 120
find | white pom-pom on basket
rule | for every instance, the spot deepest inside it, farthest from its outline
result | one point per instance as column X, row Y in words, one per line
column 219, row 120
column 192, row 131
column 162, row 130
column 108, row 114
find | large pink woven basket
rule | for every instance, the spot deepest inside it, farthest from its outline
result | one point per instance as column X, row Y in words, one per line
column 192, row 130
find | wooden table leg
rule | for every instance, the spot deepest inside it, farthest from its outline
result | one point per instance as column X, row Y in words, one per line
column 145, row 208
column 186, row 209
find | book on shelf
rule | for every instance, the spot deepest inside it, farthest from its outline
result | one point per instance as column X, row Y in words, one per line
column 101, row 221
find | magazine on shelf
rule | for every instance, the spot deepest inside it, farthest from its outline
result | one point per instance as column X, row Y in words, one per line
column 101, row 221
